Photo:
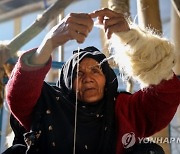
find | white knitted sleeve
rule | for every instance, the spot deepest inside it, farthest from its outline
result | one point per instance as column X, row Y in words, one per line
column 146, row 57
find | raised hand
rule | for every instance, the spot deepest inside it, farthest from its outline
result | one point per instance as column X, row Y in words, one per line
column 75, row 26
column 112, row 21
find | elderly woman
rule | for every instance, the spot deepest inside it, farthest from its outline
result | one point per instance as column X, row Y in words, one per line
column 104, row 117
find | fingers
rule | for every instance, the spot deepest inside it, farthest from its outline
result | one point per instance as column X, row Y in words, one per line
column 79, row 29
column 80, row 38
column 78, row 32
column 79, row 25
column 104, row 12
column 120, row 26
column 81, row 19
column 114, row 28
column 75, row 26
column 112, row 21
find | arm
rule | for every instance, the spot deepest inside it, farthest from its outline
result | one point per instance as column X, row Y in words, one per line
column 24, row 86
column 144, row 56
column 75, row 26
column 150, row 110
column 149, row 59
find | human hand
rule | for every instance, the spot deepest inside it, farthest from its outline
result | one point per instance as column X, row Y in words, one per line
column 75, row 26
column 111, row 21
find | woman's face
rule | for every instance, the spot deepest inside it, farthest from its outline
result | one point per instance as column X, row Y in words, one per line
column 90, row 81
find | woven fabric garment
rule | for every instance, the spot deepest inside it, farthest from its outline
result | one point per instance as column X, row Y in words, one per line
column 52, row 129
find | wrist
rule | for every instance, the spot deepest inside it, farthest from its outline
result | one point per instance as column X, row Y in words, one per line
column 42, row 54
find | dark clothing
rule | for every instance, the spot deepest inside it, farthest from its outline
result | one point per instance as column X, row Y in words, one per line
column 49, row 112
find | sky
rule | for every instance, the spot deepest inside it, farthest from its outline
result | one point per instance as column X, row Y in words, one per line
column 6, row 28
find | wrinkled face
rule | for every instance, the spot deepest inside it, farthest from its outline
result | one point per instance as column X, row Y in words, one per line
column 90, row 82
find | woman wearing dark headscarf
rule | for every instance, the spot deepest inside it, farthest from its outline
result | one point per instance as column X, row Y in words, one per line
column 105, row 119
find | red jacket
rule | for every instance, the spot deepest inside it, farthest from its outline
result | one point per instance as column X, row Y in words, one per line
column 142, row 113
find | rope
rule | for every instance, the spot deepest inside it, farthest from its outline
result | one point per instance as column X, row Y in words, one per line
column 75, row 117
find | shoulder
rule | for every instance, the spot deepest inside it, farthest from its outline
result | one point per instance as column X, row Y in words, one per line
column 123, row 94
